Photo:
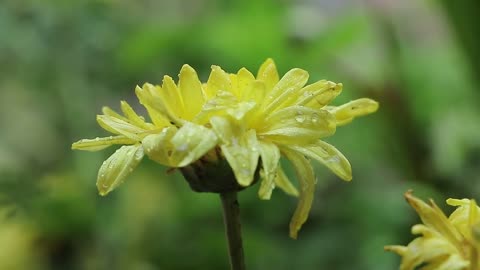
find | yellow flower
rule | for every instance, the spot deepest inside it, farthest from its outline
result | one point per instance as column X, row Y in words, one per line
column 248, row 119
column 445, row 243
column 171, row 139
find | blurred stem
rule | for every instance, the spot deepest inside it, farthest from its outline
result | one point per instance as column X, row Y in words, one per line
column 231, row 218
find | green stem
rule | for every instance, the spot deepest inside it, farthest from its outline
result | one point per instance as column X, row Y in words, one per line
column 231, row 218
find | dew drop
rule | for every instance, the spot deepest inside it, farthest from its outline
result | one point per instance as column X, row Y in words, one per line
column 97, row 139
column 314, row 118
column 183, row 147
column 300, row 117
column 334, row 159
column 104, row 185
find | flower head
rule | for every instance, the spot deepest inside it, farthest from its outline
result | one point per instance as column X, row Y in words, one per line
column 249, row 121
column 445, row 243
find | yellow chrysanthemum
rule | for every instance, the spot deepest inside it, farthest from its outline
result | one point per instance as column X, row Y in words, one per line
column 248, row 119
column 445, row 243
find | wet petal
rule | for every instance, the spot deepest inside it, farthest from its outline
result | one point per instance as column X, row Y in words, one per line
column 297, row 125
column 173, row 99
column 218, row 80
column 319, row 94
column 118, row 166
column 101, row 143
column 239, row 148
column 191, row 90
column 270, row 156
column 118, row 126
column 149, row 98
column 224, row 103
column 329, row 156
column 355, row 108
column 133, row 117
column 306, row 178
column 284, row 183
column 244, row 81
column 268, row 74
column 158, row 146
column 190, row 143
column 289, row 85
column 108, row 111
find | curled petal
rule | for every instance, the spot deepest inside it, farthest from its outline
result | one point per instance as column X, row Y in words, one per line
column 239, row 148
column 101, row 143
column 306, row 178
column 270, row 155
column 329, row 156
column 319, row 94
column 355, row 108
column 118, row 166
column 282, row 181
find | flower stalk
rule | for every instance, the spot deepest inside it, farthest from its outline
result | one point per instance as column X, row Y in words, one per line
column 233, row 232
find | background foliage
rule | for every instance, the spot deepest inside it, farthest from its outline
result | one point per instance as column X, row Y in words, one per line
column 62, row 60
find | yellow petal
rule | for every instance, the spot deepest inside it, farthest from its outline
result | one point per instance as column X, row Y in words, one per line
column 108, row 111
column 355, row 108
column 270, row 155
column 268, row 74
column 158, row 146
column 218, row 80
column 101, row 143
column 319, row 94
column 329, row 156
column 284, row 183
column 306, row 178
column 191, row 142
column 118, row 126
column 118, row 166
column 133, row 117
column 149, row 98
column 239, row 148
column 297, row 125
column 191, row 90
column 433, row 217
column 224, row 103
column 244, row 81
column 289, row 85
column 172, row 96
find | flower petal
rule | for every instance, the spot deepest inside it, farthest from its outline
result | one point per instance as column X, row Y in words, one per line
column 239, row 148
column 433, row 217
column 289, row 85
column 268, row 74
column 224, row 103
column 118, row 126
column 191, row 90
column 101, row 143
column 148, row 96
column 190, row 143
column 173, row 100
column 158, row 146
column 270, row 155
column 284, row 183
column 355, row 108
column 118, row 166
column 297, row 124
column 319, row 94
column 218, row 80
column 329, row 156
column 133, row 117
column 306, row 178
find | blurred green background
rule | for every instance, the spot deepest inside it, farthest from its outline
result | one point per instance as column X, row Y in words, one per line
column 61, row 61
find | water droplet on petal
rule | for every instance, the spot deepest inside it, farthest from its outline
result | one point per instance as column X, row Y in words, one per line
column 300, row 117
column 334, row 159
column 314, row 118
column 97, row 139
column 183, row 147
